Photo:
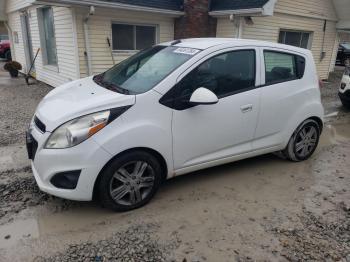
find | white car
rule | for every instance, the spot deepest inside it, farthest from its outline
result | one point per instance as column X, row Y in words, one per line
column 170, row 110
column 344, row 90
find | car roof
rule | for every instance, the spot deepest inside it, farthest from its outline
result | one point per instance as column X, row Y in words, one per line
column 205, row 43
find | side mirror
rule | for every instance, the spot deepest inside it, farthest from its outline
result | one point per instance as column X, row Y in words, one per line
column 203, row 96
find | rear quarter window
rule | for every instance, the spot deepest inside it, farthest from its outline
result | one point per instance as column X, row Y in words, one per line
column 282, row 67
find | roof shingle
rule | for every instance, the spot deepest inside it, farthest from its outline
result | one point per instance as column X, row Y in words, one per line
column 176, row 5
column 220, row 5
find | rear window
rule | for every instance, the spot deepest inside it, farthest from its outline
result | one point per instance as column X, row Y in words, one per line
column 281, row 67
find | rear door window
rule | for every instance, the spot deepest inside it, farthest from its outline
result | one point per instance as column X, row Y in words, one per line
column 282, row 67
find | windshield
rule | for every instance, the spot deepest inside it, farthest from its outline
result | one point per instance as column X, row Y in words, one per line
column 346, row 46
column 145, row 70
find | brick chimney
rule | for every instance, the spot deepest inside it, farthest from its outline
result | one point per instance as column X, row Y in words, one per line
column 196, row 22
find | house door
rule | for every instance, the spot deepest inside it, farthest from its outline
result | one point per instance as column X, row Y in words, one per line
column 27, row 42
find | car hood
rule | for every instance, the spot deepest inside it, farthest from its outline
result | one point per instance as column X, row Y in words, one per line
column 78, row 98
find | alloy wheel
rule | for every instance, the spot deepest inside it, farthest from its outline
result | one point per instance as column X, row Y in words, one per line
column 132, row 183
column 306, row 141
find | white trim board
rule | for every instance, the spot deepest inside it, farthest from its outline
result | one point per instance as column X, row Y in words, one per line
column 96, row 3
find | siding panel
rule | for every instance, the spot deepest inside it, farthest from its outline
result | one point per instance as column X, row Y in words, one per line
column 100, row 27
column 323, row 9
column 268, row 28
column 15, row 5
column 67, row 64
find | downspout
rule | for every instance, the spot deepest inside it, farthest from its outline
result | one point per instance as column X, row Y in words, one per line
column 238, row 25
column 323, row 53
column 87, row 40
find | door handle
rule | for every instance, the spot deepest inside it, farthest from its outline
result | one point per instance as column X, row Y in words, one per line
column 246, row 108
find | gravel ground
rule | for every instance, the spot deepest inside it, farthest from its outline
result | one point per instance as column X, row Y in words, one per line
column 17, row 105
column 135, row 244
column 261, row 209
column 322, row 231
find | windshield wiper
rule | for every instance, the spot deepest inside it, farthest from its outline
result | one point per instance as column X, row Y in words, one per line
column 110, row 86
column 114, row 87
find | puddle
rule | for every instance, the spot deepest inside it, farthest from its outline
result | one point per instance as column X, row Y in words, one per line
column 77, row 219
column 10, row 234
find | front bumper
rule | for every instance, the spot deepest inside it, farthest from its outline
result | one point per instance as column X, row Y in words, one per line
column 88, row 157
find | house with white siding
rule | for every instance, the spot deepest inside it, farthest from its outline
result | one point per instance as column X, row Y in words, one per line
column 78, row 38
column 73, row 35
column 304, row 23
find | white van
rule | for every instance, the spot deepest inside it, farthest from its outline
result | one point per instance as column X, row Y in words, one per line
column 170, row 110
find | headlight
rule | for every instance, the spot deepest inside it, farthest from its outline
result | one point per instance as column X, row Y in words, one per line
column 78, row 130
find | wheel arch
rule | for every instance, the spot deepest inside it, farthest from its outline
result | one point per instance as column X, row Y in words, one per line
column 319, row 122
column 153, row 152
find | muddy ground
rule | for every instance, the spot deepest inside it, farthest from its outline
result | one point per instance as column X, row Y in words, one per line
column 260, row 209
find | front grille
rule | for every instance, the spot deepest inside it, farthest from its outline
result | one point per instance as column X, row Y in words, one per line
column 40, row 125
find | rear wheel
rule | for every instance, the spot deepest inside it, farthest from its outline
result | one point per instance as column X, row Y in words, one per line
column 130, row 181
column 8, row 56
column 304, row 141
column 346, row 103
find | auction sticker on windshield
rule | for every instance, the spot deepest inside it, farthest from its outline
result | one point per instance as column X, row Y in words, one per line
column 186, row 51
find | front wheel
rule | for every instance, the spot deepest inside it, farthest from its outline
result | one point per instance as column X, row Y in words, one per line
column 130, row 181
column 304, row 141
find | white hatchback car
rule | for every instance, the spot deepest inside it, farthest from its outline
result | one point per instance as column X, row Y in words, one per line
column 170, row 110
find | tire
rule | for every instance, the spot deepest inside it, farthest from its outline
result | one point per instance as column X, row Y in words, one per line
column 346, row 104
column 122, row 186
column 8, row 56
column 299, row 149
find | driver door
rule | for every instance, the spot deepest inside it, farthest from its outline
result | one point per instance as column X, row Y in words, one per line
column 206, row 133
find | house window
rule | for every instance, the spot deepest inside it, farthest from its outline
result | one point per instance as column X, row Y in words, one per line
column 294, row 38
column 133, row 37
column 47, row 35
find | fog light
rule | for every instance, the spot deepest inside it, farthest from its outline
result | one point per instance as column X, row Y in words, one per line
column 66, row 180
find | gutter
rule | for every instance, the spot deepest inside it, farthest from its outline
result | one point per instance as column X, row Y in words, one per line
column 265, row 10
column 106, row 4
column 238, row 12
